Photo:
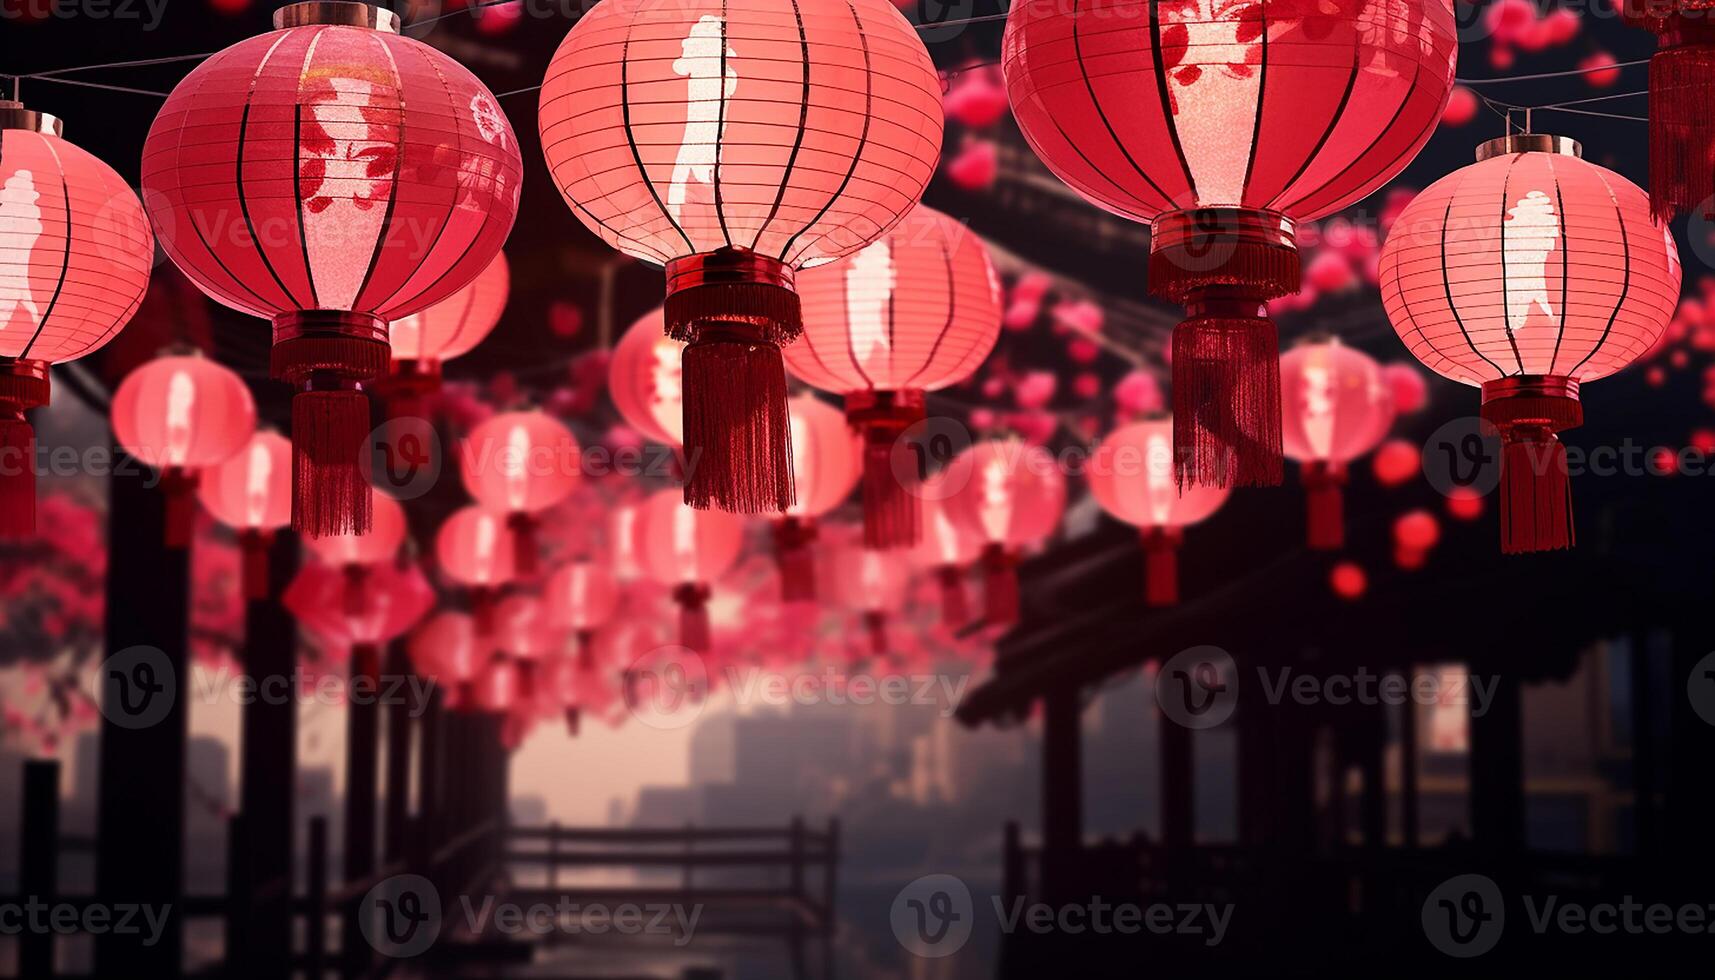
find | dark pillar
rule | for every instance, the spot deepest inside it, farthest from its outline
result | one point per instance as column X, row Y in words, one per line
column 363, row 721
column 38, row 859
column 399, row 717
column 1062, row 772
column 1497, row 770
column 1408, row 824
column 1177, row 784
column 1370, row 752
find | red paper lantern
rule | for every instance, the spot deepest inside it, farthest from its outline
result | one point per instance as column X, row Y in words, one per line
column 946, row 549
column 1396, row 462
column 331, row 176
column 644, row 378
column 1336, row 406
column 734, row 143
column 251, row 492
column 75, row 254
column 824, row 470
column 182, row 415
column 582, row 598
column 390, row 600
column 687, row 550
column 1681, row 88
column 1414, row 534
column 423, row 341
column 871, row 583
column 475, row 551
column 447, row 650
column 1221, row 126
column 377, row 546
column 1010, row 495
column 1131, row 476
column 1527, row 274
column 916, row 311
column 520, row 464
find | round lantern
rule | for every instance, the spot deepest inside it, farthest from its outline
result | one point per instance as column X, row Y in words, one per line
column 1415, row 533
column 871, row 583
column 735, row 143
column 251, row 492
column 520, row 464
column 182, row 415
column 644, row 379
column 1010, row 495
column 75, row 254
column 916, row 311
column 331, row 176
column 1222, row 126
column 423, row 341
column 1131, row 476
column 581, row 598
column 474, row 550
column 393, row 600
column 524, row 631
column 1528, row 274
column 946, row 549
column 1335, row 406
column 824, row 470
column 357, row 555
column 1681, row 87
column 446, row 649
column 687, row 550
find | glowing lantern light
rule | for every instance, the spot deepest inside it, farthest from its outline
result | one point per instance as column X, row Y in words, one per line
column 474, row 551
column 1396, row 461
column 331, row 176
column 525, row 632
column 582, row 598
column 688, row 550
column 871, row 583
column 1010, row 495
column 182, row 415
column 1414, row 534
column 1131, row 477
column 424, row 341
column 1464, row 504
column 947, row 549
column 393, row 600
column 357, row 555
column 825, row 468
column 1348, row 580
column 75, row 254
column 251, row 492
column 1410, row 391
column 1681, row 84
column 734, row 143
column 1335, row 408
column 520, row 464
column 1161, row 113
column 446, row 650
column 645, row 381
column 1528, row 274
column 914, row 312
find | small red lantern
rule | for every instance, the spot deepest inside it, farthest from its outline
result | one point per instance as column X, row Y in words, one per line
column 582, row 597
column 1010, row 495
column 357, row 555
column 182, row 415
column 251, row 492
column 392, row 599
column 446, row 650
column 331, row 176
column 914, row 312
column 1336, row 406
column 825, row 468
column 1131, row 476
column 525, row 632
column 645, row 380
column 687, row 550
column 871, row 583
column 736, row 144
column 75, row 255
column 947, row 549
column 424, row 341
column 520, row 464
column 1415, row 533
column 475, row 551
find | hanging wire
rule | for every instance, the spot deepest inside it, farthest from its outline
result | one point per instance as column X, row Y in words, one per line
column 99, row 85
column 1551, row 74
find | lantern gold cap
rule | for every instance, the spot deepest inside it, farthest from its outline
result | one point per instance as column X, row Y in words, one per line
column 342, row 13
column 1529, row 143
column 13, row 115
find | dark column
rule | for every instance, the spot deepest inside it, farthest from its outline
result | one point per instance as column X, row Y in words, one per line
column 1062, row 772
column 38, row 859
column 1370, row 750
column 363, row 721
column 140, row 854
column 1177, row 784
column 1408, row 824
column 1497, row 770
column 399, row 712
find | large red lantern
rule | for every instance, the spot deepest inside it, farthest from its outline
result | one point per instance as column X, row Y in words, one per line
column 75, row 254
column 1131, row 476
column 871, row 583
column 581, row 598
column 182, row 415
column 1221, row 125
column 645, row 381
column 251, row 492
column 687, row 550
column 474, row 550
column 1681, row 89
column 946, row 549
column 916, row 311
column 1010, row 495
column 331, row 176
column 824, row 468
column 735, row 143
column 424, row 341
column 520, row 464
column 1527, row 274
column 1336, row 406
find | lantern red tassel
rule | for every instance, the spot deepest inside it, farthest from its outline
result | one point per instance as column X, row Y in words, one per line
column 253, row 548
column 365, row 662
column 523, row 528
column 409, row 390
column 1223, row 264
column 23, row 386
column 572, row 720
column 1161, row 566
column 875, row 623
column 482, row 603
column 328, row 356
column 1000, row 581
column 586, row 650
column 1681, row 89
column 795, row 559
column 1536, row 490
column 179, row 486
column 1324, row 506
column 890, row 507
column 734, row 310
column 955, row 608
column 693, row 600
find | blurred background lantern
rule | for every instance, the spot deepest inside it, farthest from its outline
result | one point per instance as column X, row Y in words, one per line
column 1172, row 125
column 1415, row 533
column 475, row 552
column 1527, row 274
column 424, row 341
column 947, row 550
column 1131, row 476
column 1010, row 495
column 1335, row 407
column 392, row 600
column 446, row 650
column 825, row 468
column 872, row 584
column 75, row 255
column 181, row 415
column 639, row 136
column 644, row 380
column 688, row 550
column 581, row 597
column 916, row 311
column 251, row 492
column 358, row 555
column 525, row 632
column 334, row 145
column 520, row 464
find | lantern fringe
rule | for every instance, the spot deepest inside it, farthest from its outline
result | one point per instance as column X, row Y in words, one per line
column 1226, row 402
column 330, row 426
column 1324, row 506
column 796, row 559
column 523, row 528
column 694, row 632
column 738, row 435
column 1214, row 258
column 1682, row 130
column 179, row 487
column 1000, row 586
column 891, row 512
column 955, row 607
column 572, row 721
column 1161, row 566
column 253, row 546
column 21, row 389
column 1536, row 489
column 875, row 624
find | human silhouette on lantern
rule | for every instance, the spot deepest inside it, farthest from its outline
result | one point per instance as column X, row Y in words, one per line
column 701, row 62
column 1531, row 235
column 22, row 217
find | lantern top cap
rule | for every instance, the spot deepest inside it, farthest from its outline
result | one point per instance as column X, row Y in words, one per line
column 1529, row 143
column 13, row 115
column 345, row 13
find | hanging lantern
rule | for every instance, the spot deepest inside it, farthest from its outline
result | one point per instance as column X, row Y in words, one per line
column 947, row 549
column 75, row 255
column 735, row 144
column 1221, row 127
column 824, row 468
column 331, row 176
column 1528, row 274
column 446, row 650
column 644, row 379
column 524, row 632
column 475, row 552
column 357, row 555
column 1010, row 495
column 424, row 341
column 394, row 599
column 1131, row 476
column 495, row 689
column 251, row 492
column 1415, row 534
column 1336, row 406
column 182, row 415
column 916, row 311
column 520, row 464
column 687, row 550
column 581, row 598
column 1681, row 90
column 872, row 584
